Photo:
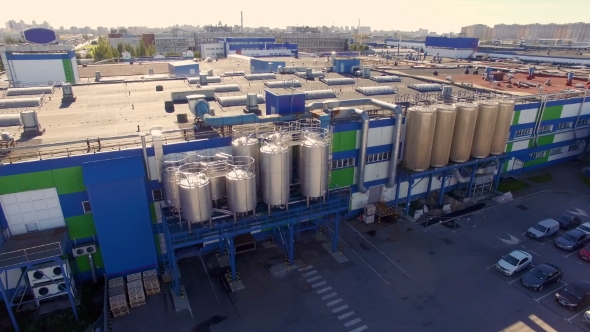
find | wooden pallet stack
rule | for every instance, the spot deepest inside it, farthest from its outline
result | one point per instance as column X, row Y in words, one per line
column 150, row 282
column 117, row 298
column 135, row 290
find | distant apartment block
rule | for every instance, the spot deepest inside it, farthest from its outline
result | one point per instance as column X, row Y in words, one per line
column 578, row 32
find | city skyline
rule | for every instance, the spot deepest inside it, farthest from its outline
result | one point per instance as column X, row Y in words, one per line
column 434, row 15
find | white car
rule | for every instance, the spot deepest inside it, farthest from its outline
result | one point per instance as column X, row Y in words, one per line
column 585, row 227
column 515, row 261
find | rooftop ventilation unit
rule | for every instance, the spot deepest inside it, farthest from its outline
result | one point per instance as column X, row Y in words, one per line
column 84, row 250
column 426, row 87
column 258, row 77
column 376, row 90
column 385, row 79
column 229, row 101
column 29, row 91
column 47, row 272
column 68, row 93
column 337, row 81
column 204, row 79
column 30, row 121
column 319, row 94
column 234, row 73
column 49, row 290
column 21, row 102
column 226, row 88
column 283, row 84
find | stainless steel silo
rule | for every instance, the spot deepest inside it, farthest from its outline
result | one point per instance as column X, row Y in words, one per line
column 240, row 181
column 275, row 169
column 503, row 122
column 484, row 129
column 169, row 169
column 463, row 132
column 195, row 193
column 313, row 162
column 420, row 125
column 216, row 168
column 443, row 135
column 245, row 143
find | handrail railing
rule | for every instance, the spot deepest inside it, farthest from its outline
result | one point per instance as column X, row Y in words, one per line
column 25, row 257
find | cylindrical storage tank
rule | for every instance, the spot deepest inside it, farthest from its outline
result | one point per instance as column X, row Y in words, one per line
column 443, row 135
column 195, row 193
column 463, row 133
column 420, row 125
column 275, row 173
column 484, row 129
column 170, row 164
column 313, row 162
column 505, row 113
column 240, row 181
column 216, row 168
column 247, row 146
column 251, row 100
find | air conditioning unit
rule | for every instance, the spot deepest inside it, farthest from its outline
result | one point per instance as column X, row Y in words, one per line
column 49, row 290
column 84, row 250
column 47, row 272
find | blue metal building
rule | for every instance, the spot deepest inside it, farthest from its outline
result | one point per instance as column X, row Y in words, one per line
column 183, row 68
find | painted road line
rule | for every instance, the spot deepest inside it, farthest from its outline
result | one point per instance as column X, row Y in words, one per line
column 305, row 268
column 352, row 322
column 321, row 283
column 314, row 279
column 331, row 303
column 511, row 281
column 359, row 329
column 340, row 308
column 544, row 243
column 381, row 252
column 574, row 252
column 323, row 290
column 307, row 274
column 578, row 314
column 523, row 246
column 487, row 268
column 346, row 315
column 550, row 293
column 325, row 297
column 370, row 267
column 534, row 253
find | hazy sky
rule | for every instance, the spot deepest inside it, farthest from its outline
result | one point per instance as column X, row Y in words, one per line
column 435, row 15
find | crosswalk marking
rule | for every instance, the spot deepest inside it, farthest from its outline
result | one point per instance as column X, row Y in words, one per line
column 321, row 283
column 325, row 297
column 352, row 322
column 340, row 308
column 323, row 290
column 314, row 278
column 305, row 268
column 359, row 329
column 310, row 273
column 331, row 303
column 346, row 315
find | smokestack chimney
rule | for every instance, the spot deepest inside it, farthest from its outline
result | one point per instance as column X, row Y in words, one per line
column 242, row 18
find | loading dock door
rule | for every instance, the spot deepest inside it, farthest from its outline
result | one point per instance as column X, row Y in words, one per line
column 374, row 194
column 31, row 211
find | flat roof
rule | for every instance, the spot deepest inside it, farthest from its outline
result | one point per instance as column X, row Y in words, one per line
column 32, row 247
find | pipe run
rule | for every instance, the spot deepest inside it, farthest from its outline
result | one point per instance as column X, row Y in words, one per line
column 399, row 117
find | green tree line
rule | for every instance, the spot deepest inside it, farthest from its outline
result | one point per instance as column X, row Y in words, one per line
column 104, row 50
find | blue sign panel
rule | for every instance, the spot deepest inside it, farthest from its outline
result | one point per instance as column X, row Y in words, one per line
column 460, row 43
column 39, row 36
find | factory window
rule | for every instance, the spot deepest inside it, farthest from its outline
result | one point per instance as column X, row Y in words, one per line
column 378, row 157
column 523, row 132
column 564, row 125
column 574, row 147
column 342, row 163
column 556, row 151
column 543, row 129
column 537, row 155
column 157, row 195
column 583, row 122
column 86, row 207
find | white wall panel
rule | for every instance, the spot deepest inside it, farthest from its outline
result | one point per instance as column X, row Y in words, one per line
column 570, row 110
column 520, row 145
column 527, row 116
column 32, row 210
column 377, row 171
column 39, row 71
column 586, row 108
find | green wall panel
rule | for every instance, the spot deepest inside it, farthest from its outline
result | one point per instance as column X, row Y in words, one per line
column 25, row 182
column 544, row 140
column 68, row 70
column 153, row 213
column 68, row 180
column 84, row 265
column 342, row 177
column 344, row 141
column 552, row 113
column 515, row 117
column 81, row 227
column 508, row 147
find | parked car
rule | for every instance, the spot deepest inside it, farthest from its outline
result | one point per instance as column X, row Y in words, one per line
column 585, row 253
column 586, row 317
column 514, row 262
column 574, row 295
column 543, row 229
column 585, row 227
column 567, row 220
column 572, row 240
column 541, row 275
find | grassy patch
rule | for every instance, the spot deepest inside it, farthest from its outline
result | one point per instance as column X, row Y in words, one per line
column 88, row 47
column 542, row 178
column 585, row 179
column 511, row 185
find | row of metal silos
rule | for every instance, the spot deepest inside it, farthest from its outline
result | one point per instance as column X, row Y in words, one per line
column 441, row 133
column 193, row 182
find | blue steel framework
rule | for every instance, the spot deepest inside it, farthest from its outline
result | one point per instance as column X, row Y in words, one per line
column 296, row 219
column 470, row 167
column 52, row 254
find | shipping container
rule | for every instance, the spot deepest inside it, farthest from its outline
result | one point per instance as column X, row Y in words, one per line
column 279, row 102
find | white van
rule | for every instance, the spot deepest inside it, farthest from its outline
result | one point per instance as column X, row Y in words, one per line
column 543, row 229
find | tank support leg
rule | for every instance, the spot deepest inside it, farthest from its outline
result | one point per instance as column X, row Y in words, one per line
column 232, row 258
column 408, row 197
column 307, row 199
column 442, row 189
column 429, row 185
column 9, row 307
column 497, row 179
column 269, row 209
column 190, row 229
column 291, row 243
column 235, row 217
column 397, row 181
column 335, row 238
column 471, row 180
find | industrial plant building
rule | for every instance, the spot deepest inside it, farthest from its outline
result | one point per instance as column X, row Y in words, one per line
column 275, row 152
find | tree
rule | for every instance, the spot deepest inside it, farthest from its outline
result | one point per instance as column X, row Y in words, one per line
column 141, row 50
column 86, row 37
column 1, row 66
column 197, row 54
column 151, row 50
column 88, row 55
column 120, row 48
